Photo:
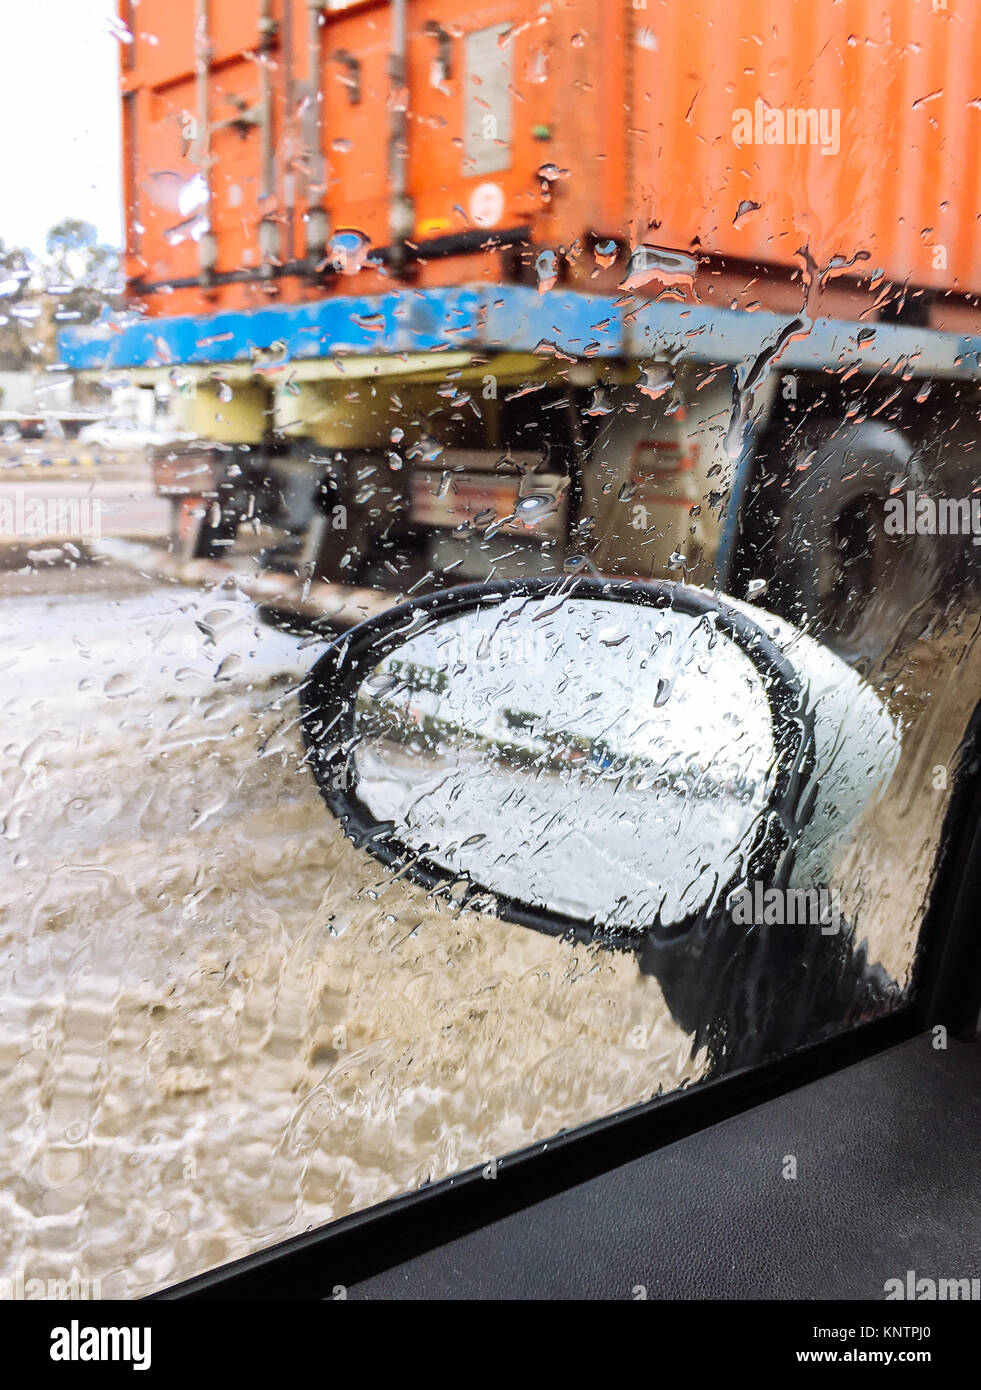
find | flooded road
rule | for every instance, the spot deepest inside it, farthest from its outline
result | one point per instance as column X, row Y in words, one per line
column 221, row 1025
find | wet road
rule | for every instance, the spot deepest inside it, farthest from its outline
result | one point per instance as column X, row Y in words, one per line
column 220, row 1024
column 39, row 508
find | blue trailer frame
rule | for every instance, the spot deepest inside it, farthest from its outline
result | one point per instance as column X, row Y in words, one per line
column 511, row 318
column 491, row 319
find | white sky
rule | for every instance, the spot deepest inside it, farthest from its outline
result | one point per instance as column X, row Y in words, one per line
column 59, row 118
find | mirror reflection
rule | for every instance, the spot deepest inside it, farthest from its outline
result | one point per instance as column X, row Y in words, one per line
column 607, row 761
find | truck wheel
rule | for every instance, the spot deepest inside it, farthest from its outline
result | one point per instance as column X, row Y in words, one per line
column 837, row 571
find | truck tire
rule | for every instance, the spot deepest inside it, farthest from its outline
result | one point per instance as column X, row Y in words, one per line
column 837, row 572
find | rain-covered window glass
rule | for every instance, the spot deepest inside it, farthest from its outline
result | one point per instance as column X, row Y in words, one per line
column 655, row 321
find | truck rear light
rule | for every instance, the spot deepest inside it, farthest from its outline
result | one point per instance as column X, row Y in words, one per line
column 189, row 519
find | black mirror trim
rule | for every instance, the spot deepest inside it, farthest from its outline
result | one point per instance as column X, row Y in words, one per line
column 327, row 699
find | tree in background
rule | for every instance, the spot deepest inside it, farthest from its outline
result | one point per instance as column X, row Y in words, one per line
column 80, row 271
column 18, row 312
column 72, row 281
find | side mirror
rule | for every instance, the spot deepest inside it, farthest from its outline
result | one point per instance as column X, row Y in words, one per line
column 598, row 757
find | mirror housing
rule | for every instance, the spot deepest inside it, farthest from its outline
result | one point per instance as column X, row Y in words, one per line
column 385, row 689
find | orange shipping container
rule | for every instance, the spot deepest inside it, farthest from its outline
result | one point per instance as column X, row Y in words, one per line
column 273, row 147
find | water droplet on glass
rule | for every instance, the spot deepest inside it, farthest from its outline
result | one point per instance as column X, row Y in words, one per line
column 546, row 268
column 599, row 404
column 534, row 508
column 655, row 380
column 658, row 263
column 743, row 211
column 348, row 251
